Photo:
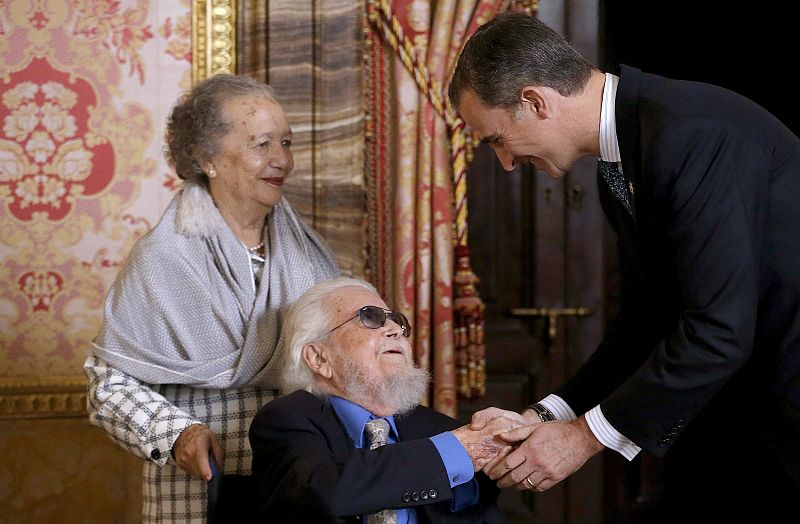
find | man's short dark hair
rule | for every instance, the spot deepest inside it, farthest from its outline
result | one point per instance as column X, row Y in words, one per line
column 514, row 50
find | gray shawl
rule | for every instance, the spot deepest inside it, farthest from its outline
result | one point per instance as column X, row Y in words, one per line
column 185, row 310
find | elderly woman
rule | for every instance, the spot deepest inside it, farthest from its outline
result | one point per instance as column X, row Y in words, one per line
column 187, row 350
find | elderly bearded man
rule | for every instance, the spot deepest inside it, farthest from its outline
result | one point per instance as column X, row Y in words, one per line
column 349, row 362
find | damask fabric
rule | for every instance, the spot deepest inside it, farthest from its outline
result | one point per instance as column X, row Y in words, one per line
column 409, row 153
column 185, row 312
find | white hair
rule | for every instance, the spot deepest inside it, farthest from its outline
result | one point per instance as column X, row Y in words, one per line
column 307, row 321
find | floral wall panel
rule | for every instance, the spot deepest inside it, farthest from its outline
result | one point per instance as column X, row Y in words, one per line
column 85, row 90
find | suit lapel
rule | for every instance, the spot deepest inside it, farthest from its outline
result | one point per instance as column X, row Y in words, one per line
column 338, row 438
column 632, row 137
column 629, row 134
column 410, row 427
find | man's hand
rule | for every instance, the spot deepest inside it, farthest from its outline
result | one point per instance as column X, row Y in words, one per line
column 191, row 450
column 480, row 418
column 551, row 451
column 483, row 445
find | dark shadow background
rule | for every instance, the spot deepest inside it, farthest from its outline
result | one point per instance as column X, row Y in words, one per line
column 751, row 48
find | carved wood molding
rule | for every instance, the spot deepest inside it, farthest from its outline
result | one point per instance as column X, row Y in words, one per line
column 213, row 38
column 43, row 397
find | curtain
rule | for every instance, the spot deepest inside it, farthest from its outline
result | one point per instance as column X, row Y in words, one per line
column 417, row 209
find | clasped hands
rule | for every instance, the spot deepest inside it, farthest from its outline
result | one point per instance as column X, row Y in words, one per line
column 522, row 452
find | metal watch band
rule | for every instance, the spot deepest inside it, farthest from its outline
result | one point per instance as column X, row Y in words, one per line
column 544, row 414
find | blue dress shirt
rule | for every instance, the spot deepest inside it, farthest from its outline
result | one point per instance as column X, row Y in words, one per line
column 455, row 458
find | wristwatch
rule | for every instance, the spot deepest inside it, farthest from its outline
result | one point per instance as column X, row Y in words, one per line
column 545, row 415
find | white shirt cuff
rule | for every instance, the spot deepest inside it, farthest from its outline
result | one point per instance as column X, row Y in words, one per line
column 558, row 407
column 608, row 436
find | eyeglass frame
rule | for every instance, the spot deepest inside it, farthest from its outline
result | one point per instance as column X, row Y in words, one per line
column 386, row 316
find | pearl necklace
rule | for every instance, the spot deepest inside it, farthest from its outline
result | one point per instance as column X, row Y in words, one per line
column 257, row 253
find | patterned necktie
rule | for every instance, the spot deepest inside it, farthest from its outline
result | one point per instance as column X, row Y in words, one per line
column 377, row 433
column 615, row 182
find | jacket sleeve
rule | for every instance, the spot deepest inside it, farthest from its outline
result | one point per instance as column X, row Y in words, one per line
column 306, row 473
column 137, row 418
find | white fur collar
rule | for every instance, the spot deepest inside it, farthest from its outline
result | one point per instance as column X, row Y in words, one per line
column 197, row 213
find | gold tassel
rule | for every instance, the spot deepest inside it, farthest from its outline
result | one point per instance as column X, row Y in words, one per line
column 468, row 320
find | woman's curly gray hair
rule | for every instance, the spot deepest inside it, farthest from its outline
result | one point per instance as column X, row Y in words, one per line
column 197, row 122
column 308, row 321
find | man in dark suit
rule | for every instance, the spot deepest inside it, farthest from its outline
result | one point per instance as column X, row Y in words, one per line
column 348, row 363
column 702, row 187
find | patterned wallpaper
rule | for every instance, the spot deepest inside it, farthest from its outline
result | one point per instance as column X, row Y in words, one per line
column 85, row 90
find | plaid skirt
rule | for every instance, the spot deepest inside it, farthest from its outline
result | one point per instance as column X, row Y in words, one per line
column 172, row 496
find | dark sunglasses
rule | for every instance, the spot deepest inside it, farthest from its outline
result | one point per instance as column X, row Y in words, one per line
column 374, row 317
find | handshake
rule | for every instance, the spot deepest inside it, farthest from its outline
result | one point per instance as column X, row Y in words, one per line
column 524, row 452
column 490, row 437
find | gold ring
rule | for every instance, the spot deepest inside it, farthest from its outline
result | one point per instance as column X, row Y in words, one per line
column 528, row 480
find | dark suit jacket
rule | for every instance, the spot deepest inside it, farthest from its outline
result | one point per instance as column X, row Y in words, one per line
column 307, row 468
column 710, row 265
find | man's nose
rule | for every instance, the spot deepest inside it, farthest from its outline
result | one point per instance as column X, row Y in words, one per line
column 393, row 329
column 507, row 160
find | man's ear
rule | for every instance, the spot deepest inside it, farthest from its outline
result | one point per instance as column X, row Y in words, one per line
column 317, row 361
column 534, row 99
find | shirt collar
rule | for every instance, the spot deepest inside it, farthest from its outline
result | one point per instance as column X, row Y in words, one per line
column 609, row 143
column 354, row 417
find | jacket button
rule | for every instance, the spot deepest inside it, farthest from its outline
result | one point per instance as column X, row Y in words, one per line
column 406, row 497
column 434, row 493
column 424, row 495
column 415, row 496
column 155, row 454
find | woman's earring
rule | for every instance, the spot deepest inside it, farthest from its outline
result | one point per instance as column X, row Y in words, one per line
column 212, row 173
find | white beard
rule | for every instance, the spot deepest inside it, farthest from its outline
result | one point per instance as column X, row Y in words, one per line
column 402, row 390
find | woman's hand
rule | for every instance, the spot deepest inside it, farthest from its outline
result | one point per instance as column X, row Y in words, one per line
column 191, row 450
